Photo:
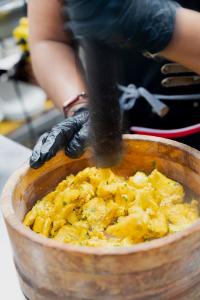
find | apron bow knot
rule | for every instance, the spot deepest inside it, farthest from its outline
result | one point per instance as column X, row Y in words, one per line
column 131, row 93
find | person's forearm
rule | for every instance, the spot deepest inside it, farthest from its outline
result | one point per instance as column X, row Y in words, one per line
column 57, row 70
column 185, row 44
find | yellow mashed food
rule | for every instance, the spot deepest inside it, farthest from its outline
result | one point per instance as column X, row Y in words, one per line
column 98, row 208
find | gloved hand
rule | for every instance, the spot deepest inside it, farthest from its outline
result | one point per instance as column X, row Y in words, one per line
column 147, row 25
column 71, row 134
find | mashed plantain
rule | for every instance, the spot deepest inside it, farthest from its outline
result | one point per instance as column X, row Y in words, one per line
column 98, row 208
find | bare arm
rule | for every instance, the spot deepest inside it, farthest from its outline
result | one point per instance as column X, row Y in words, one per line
column 185, row 45
column 53, row 58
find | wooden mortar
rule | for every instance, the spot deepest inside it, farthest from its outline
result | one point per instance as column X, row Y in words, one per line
column 163, row 269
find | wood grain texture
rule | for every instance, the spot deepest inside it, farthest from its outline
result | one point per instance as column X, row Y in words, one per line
column 164, row 269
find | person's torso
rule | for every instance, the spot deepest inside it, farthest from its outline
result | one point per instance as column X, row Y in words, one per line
column 145, row 72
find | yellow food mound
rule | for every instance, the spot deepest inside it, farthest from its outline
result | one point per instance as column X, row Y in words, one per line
column 98, row 208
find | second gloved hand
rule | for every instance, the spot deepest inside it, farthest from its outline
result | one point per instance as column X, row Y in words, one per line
column 71, row 134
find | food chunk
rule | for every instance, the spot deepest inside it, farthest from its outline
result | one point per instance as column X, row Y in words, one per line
column 98, row 208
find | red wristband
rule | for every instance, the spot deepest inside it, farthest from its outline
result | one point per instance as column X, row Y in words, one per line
column 79, row 99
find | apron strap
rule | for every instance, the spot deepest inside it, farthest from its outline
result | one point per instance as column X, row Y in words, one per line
column 131, row 93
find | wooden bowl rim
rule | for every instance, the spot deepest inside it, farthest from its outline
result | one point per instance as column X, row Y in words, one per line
column 13, row 221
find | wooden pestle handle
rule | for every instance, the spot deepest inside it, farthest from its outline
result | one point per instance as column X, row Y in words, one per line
column 105, row 117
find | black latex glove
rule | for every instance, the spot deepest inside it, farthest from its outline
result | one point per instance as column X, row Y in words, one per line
column 145, row 24
column 71, row 134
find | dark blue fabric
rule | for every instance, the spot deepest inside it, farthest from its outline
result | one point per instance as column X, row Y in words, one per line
column 144, row 24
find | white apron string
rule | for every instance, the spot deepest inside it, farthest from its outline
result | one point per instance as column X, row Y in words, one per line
column 131, row 93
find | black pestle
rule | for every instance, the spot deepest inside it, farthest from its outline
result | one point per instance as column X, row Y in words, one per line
column 101, row 66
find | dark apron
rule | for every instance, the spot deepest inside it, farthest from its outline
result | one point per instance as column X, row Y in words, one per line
column 145, row 72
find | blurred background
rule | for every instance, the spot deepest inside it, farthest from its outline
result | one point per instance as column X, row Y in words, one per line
column 25, row 110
